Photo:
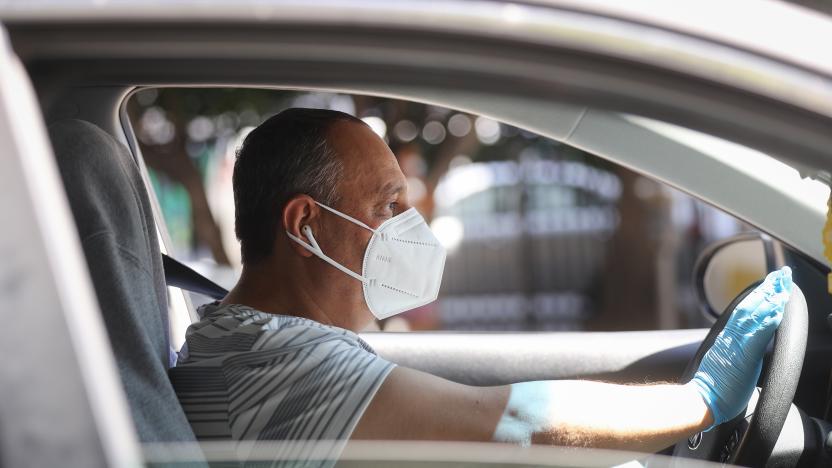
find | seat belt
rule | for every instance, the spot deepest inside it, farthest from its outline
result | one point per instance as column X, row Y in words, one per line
column 181, row 276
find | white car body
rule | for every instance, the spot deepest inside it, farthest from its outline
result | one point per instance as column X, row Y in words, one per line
column 779, row 58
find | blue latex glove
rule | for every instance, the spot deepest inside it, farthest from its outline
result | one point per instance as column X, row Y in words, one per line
column 729, row 370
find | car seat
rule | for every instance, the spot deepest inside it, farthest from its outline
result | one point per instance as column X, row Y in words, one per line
column 113, row 215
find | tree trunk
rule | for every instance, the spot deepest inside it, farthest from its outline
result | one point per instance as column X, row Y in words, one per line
column 629, row 299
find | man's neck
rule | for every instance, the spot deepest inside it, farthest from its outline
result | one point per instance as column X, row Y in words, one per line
column 272, row 291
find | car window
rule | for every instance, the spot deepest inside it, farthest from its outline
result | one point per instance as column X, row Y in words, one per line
column 540, row 235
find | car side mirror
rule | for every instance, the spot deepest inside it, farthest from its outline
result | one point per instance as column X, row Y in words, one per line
column 725, row 269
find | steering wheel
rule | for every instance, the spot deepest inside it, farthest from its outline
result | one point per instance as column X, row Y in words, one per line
column 749, row 439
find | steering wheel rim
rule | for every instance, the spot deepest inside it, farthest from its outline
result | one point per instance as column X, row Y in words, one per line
column 749, row 439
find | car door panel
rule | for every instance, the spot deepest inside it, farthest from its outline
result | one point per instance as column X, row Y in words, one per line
column 501, row 358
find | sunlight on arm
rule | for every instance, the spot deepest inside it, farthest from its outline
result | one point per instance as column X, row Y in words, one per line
column 595, row 414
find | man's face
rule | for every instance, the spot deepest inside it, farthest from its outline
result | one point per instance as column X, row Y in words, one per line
column 372, row 190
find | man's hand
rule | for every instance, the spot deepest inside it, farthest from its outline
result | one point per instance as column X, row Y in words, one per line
column 729, row 370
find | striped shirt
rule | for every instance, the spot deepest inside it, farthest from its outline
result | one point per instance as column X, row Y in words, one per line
column 249, row 375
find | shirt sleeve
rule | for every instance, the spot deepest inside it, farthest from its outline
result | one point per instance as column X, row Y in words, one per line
column 302, row 385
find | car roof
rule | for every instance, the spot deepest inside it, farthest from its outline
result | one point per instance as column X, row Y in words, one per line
column 789, row 32
column 778, row 29
column 779, row 51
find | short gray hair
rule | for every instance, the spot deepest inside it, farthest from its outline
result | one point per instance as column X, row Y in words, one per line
column 320, row 181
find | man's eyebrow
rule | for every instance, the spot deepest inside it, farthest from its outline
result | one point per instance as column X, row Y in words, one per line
column 390, row 188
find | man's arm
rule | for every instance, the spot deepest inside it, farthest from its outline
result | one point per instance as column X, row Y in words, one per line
column 413, row 405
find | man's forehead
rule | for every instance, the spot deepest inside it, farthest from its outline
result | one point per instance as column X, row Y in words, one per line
column 370, row 167
column 380, row 180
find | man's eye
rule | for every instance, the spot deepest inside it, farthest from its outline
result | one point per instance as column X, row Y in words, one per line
column 387, row 210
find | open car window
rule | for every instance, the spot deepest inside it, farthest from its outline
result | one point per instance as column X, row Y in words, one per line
column 540, row 235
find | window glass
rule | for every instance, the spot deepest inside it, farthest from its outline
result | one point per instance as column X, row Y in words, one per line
column 540, row 235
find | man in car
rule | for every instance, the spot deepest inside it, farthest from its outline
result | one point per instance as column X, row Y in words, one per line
column 329, row 243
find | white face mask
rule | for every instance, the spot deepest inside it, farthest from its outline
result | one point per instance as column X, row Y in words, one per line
column 402, row 266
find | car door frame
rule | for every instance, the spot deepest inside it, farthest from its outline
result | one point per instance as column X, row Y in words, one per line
column 63, row 404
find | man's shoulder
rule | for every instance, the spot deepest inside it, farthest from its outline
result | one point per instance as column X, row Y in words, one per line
column 254, row 375
column 243, row 328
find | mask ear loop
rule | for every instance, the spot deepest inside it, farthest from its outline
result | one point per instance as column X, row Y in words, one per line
column 345, row 216
column 313, row 247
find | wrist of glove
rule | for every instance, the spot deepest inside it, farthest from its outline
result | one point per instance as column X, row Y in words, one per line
column 729, row 370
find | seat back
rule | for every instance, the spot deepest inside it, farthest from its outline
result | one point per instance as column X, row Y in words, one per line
column 115, row 223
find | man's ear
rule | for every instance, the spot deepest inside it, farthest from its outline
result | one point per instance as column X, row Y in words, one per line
column 298, row 212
